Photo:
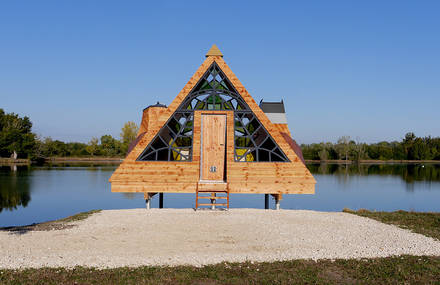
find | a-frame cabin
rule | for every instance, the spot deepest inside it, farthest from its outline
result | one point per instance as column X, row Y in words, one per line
column 214, row 138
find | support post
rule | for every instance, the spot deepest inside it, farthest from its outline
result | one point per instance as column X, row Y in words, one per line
column 148, row 196
column 148, row 203
column 266, row 201
column 277, row 203
column 213, row 201
column 160, row 200
column 278, row 198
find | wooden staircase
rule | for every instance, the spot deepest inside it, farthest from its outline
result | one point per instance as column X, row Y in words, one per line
column 213, row 192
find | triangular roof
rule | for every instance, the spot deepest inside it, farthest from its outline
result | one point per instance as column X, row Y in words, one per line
column 215, row 56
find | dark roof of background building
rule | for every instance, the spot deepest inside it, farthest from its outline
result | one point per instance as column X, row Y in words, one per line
column 272, row 107
column 157, row 105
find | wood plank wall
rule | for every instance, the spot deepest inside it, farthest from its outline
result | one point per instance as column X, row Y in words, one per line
column 182, row 177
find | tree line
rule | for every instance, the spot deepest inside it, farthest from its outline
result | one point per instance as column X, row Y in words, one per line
column 16, row 136
column 410, row 148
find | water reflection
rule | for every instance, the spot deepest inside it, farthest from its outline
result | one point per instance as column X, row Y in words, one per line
column 14, row 188
column 409, row 173
column 58, row 191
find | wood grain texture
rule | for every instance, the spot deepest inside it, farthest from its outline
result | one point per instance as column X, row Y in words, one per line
column 149, row 116
column 183, row 177
column 203, row 186
column 213, row 147
column 283, row 128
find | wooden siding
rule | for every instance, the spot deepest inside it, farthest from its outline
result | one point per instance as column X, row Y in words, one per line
column 242, row 177
column 283, row 128
column 149, row 117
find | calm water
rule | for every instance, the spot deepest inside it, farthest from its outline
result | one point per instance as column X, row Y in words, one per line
column 36, row 194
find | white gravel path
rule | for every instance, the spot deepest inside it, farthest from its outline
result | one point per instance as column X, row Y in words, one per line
column 174, row 237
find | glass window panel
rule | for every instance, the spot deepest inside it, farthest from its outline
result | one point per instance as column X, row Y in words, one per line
column 187, row 132
column 223, row 86
column 158, row 143
column 268, row 144
column 240, row 154
column 162, row 155
column 202, row 97
column 151, row 156
column 276, row 158
column 225, row 97
column 182, row 142
column 263, row 155
column 234, row 103
column 166, row 135
column 252, row 126
column 174, row 125
column 259, row 136
column 243, row 142
column 251, row 156
column 278, row 152
column 200, row 106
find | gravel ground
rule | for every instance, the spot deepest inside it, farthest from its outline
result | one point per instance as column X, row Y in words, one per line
column 184, row 237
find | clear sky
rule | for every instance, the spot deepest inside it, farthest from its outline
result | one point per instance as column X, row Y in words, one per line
column 367, row 69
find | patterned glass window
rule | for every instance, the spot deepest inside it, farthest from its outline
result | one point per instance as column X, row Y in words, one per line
column 174, row 141
column 213, row 92
column 253, row 142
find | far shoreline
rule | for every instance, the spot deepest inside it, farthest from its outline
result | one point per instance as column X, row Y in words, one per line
column 117, row 160
column 370, row 161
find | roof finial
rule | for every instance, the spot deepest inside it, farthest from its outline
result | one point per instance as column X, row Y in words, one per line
column 214, row 51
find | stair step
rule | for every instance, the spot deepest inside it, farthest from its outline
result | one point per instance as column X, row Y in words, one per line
column 216, row 186
column 213, row 198
column 212, row 191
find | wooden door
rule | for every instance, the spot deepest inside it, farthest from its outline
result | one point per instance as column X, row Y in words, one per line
column 213, row 147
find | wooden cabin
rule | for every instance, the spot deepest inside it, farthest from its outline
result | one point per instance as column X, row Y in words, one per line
column 214, row 139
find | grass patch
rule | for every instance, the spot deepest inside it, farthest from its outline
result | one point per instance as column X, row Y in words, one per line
column 395, row 270
column 78, row 217
column 423, row 223
column 52, row 225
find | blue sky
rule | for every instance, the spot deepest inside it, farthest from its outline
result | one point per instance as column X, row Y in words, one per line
column 367, row 69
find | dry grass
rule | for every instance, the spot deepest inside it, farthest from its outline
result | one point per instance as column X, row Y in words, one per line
column 395, row 270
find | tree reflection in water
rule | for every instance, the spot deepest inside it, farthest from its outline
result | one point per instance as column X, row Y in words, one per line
column 408, row 172
column 14, row 190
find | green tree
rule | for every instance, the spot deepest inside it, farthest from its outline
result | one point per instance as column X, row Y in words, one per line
column 110, row 146
column 128, row 134
column 359, row 150
column 16, row 135
column 343, row 147
column 93, row 146
column 323, row 154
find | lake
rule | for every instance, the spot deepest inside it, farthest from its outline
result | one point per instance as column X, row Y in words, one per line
column 33, row 194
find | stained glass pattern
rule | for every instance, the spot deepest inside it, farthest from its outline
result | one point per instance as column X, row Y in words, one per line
column 214, row 91
column 173, row 142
